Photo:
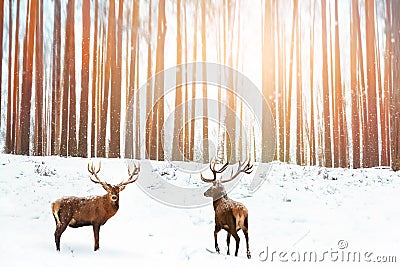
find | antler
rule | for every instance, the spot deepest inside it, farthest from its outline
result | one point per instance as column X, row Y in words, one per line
column 242, row 167
column 214, row 171
column 130, row 180
column 94, row 173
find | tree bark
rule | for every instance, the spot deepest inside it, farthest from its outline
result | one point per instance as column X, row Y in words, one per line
column 84, row 105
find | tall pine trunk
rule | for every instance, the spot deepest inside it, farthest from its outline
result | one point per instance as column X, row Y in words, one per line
column 94, row 81
column 38, row 147
column 10, row 96
column 372, row 153
column 178, row 119
column 325, row 89
column 268, row 75
column 115, row 97
column 84, row 105
column 204, row 78
column 25, row 113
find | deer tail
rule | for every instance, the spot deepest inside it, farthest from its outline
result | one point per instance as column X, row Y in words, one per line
column 55, row 208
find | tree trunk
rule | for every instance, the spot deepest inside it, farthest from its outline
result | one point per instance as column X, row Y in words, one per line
column 290, row 87
column 395, row 92
column 299, row 99
column 355, row 90
column 313, row 159
column 325, row 89
column 72, row 142
column 178, row 119
column 94, row 81
column 10, row 97
column 204, row 78
column 193, row 107
column 372, row 154
column 149, row 92
column 1, row 49
column 38, row 148
column 268, row 76
column 84, row 105
column 56, row 77
column 387, row 84
column 159, row 86
column 130, row 96
column 115, row 97
column 15, row 137
column 27, row 77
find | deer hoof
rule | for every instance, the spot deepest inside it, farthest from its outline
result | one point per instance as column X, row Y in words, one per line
column 248, row 255
column 217, row 249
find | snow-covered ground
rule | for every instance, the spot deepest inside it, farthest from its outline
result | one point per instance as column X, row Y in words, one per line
column 297, row 212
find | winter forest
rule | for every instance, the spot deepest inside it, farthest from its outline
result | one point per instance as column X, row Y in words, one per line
column 76, row 80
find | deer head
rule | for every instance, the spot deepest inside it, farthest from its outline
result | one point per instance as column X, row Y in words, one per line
column 217, row 190
column 113, row 190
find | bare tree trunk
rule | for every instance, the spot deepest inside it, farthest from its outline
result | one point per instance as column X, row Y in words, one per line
column 84, row 105
column 325, row 85
column 204, row 77
column 130, row 95
column 15, row 137
column 355, row 90
column 27, row 77
column 299, row 99
column 102, row 94
column 158, row 116
column 281, row 85
column 94, row 80
column 313, row 159
column 10, row 97
column 387, row 84
column 268, row 75
column 193, row 108
column 395, row 92
column 290, row 87
column 185, row 141
column 56, row 77
column 149, row 91
column 340, row 106
column 115, row 91
column 372, row 154
column 230, row 96
column 38, row 148
column 1, row 49
column 72, row 142
column 137, row 120
column 178, row 119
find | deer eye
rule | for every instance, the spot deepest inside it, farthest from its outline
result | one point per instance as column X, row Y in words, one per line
column 114, row 198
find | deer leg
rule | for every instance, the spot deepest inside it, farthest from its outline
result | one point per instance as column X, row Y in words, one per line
column 57, row 234
column 246, row 235
column 96, row 231
column 217, row 229
column 228, row 241
column 237, row 239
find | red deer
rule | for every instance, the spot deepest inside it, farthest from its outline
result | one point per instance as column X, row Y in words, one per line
column 95, row 210
column 230, row 215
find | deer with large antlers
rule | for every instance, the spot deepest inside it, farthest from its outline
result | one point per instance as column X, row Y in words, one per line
column 230, row 215
column 95, row 210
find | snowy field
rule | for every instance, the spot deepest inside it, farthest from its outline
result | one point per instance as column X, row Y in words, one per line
column 298, row 211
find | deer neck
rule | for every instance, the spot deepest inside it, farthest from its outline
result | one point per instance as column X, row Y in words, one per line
column 220, row 200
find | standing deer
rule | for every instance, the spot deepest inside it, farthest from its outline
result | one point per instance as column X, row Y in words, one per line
column 95, row 210
column 230, row 215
